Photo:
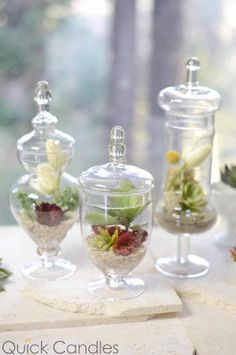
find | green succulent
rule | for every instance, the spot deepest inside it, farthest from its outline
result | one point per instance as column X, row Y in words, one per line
column 121, row 209
column 103, row 240
column 193, row 197
column 228, row 175
column 4, row 274
column 28, row 203
column 100, row 219
column 126, row 208
column 68, row 199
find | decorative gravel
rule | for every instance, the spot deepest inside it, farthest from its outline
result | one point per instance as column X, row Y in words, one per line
column 178, row 223
column 43, row 234
column 109, row 262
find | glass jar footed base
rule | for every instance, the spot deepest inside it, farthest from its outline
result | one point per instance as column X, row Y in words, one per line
column 114, row 288
column 50, row 269
column 194, row 266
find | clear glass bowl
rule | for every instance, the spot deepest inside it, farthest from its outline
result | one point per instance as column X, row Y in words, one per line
column 116, row 221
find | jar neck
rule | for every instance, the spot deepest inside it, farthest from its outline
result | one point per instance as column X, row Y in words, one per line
column 191, row 122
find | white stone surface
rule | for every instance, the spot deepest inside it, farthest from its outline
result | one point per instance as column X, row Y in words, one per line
column 21, row 312
column 210, row 328
column 164, row 336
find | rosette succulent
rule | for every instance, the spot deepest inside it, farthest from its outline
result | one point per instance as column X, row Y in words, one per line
column 193, row 197
column 4, row 274
column 121, row 209
column 181, row 181
column 228, row 175
column 119, row 240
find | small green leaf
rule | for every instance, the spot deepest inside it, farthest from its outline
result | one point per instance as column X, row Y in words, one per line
column 100, row 219
column 4, row 274
column 28, row 203
column 128, row 207
column 68, row 199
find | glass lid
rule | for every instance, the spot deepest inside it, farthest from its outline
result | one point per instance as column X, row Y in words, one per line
column 116, row 177
column 189, row 99
column 44, row 138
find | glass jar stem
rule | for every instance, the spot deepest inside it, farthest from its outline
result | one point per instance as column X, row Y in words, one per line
column 48, row 257
column 47, row 262
column 183, row 248
column 115, row 281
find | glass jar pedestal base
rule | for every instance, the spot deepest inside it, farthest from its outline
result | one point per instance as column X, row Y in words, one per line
column 194, row 266
column 116, row 288
column 49, row 269
column 183, row 265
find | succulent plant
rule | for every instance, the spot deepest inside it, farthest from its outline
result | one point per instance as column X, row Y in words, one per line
column 121, row 241
column 121, row 209
column 68, row 199
column 126, row 208
column 49, row 214
column 103, row 238
column 27, row 202
column 228, row 175
column 193, row 197
column 233, row 253
column 4, row 274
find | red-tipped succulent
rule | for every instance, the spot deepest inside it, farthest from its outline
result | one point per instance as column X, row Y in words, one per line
column 49, row 214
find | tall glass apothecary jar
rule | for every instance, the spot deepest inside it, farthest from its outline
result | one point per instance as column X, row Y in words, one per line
column 116, row 220
column 45, row 201
column 185, row 208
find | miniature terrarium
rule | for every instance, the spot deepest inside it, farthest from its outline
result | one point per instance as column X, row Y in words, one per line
column 45, row 201
column 224, row 200
column 116, row 220
column 185, row 207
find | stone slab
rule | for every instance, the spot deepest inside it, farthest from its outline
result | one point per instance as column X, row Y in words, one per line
column 72, row 295
column 162, row 336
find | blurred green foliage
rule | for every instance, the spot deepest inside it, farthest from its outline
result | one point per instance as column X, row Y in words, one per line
column 44, row 39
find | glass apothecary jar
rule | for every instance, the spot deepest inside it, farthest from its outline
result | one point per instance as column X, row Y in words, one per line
column 45, row 201
column 116, row 220
column 185, row 207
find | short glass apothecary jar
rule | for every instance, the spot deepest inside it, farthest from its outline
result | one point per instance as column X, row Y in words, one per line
column 185, row 207
column 45, row 201
column 116, row 220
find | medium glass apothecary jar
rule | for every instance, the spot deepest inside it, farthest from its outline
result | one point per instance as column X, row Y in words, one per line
column 185, row 207
column 45, row 201
column 116, row 220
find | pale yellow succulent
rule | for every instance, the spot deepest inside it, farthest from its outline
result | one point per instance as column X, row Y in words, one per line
column 56, row 157
column 47, row 179
column 195, row 157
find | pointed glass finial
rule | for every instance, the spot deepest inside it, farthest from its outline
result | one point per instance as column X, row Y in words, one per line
column 192, row 66
column 117, row 148
column 43, row 96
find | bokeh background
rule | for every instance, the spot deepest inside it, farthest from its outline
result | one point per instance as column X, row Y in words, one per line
column 106, row 61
